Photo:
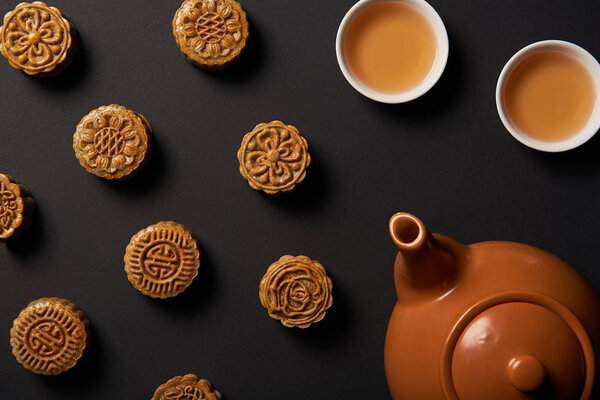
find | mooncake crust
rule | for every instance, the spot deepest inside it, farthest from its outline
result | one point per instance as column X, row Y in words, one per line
column 296, row 291
column 38, row 39
column 16, row 208
column 210, row 33
column 187, row 387
column 113, row 142
column 162, row 260
column 49, row 336
column 273, row 157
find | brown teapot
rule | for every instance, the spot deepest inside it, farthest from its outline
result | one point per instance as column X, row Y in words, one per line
column 492, row 320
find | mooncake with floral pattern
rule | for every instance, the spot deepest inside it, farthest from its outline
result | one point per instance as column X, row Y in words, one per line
column 113, row 142
column 38, row 39
column 273, row 157
column 210, row 33
column 296, row 291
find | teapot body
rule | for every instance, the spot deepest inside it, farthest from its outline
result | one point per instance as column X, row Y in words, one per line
column 502, row 313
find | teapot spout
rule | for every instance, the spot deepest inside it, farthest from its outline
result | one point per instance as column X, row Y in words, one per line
column 427, row 264
column 408, row 233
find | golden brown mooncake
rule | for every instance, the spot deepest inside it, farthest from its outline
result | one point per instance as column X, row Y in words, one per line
column 162, row 260
column 113, row 142
column 37, row 39
column 273, row 157
column 16, row 208
column 49, row 336
column 210, row 33
column 187, row 387
column 296, row 291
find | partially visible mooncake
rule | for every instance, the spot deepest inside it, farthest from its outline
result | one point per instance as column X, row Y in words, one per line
column 16, row 208
column 187, row 387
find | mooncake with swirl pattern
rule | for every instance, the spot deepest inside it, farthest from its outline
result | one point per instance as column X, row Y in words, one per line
column 296, row 291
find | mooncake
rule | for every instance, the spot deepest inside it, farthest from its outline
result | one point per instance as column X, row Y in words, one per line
column 296, row 291
column 37, row 39
column 162, row 260
column 113, row 142
column 210, row 33
column 274, row 157
column 187, row 387
column 49, row 336
column 16, row 208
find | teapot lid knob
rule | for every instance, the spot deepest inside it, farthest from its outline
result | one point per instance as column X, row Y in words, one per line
column 526, row 373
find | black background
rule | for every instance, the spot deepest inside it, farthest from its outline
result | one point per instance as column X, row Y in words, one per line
column 445, row 157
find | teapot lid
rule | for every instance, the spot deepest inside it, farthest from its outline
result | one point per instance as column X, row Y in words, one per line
column 518, row 345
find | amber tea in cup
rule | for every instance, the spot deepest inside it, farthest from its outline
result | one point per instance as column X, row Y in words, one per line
column 547, row 95
column 390, row 47
column 392, row 50
column 550, row 96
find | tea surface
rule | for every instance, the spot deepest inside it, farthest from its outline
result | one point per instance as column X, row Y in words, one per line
column 390, row 47
column 549, row 96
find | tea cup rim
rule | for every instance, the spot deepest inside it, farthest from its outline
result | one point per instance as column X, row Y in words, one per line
column 435, row 72
column 591, row 65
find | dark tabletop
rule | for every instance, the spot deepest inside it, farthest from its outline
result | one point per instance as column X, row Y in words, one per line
column 445, row 157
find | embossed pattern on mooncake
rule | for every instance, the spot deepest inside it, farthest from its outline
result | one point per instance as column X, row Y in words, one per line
column 162, row 260
column 112, row 142
column 49, row 336
column 37, row 39
column 273, row 157
column 16, row 208
column 296, row 291
column 210, row 33
column 187, row 387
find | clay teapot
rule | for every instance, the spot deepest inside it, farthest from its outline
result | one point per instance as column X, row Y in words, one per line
column 492, row 320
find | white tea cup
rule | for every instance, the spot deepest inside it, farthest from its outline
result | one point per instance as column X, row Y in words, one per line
column 435, row 71
column 589, row 63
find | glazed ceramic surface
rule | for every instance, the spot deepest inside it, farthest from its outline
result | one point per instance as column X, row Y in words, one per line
column 497, row 320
